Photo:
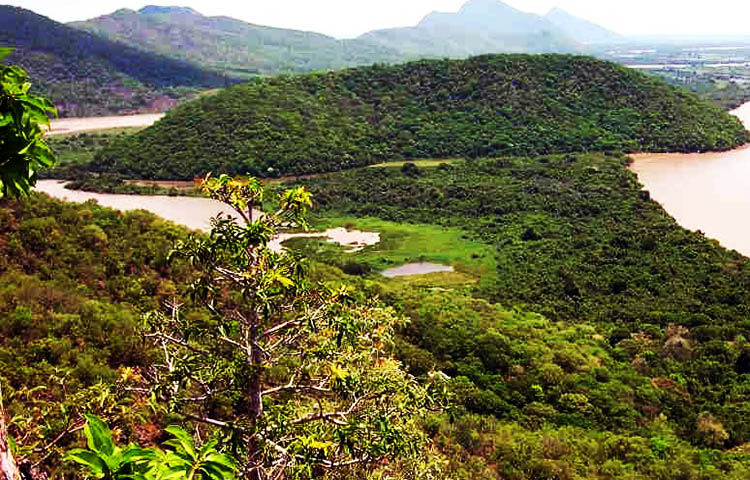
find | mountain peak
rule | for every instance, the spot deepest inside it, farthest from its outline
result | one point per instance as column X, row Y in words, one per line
column 487, row 5
column 159, row 10
column 489, row 16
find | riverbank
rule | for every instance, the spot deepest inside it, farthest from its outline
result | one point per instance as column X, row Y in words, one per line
column 706, row 192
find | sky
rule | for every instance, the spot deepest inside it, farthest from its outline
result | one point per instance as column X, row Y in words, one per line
column 349, row 18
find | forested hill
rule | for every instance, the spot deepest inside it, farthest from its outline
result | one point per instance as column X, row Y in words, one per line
column 231, row 46
column 87, row 75
column 485, row 106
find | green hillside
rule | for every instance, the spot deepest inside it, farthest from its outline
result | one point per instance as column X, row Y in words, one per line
column 534, row 396
column 231, row 46
column 484, row 106
column 85, row 74
column 576, row 240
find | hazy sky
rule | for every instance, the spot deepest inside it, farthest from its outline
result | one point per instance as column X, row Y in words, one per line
column 348, row 18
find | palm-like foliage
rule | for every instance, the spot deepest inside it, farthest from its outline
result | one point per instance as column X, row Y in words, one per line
column 105, row 460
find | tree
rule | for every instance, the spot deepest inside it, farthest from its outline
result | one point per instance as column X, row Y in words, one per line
column 294, row 374
column 23, row 151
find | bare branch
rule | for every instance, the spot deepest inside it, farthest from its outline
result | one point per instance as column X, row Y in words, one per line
column 215, row 422
column 328, row 417
column 235, row 343
column 298, row 388
column 176, row 341
column 280, row 327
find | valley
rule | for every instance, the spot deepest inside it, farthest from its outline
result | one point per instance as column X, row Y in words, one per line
column 360, row 259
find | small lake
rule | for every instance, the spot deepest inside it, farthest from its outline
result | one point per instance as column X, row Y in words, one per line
column 416, row 269
column 709, row 192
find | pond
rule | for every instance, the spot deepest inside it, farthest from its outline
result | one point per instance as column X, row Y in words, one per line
column 419, row 268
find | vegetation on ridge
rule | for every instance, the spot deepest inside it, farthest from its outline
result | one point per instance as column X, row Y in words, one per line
column 485, row 106
column 577, row 240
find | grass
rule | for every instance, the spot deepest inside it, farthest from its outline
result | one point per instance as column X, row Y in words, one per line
column 422, row 162
column 402, row 243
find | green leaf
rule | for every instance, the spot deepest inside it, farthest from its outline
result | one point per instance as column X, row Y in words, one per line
column 184, row 441
column 98, row 435
column 222, row 460
column 89, row 459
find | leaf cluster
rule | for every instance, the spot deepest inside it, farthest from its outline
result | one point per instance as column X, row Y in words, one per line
column 23, row 151
column 105, row 460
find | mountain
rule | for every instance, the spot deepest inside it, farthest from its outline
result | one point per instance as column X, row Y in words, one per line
column 232, row 46
column 580, row 29
column 480, row 26
column 85, row 74
column 491, row 16
column 493, row 105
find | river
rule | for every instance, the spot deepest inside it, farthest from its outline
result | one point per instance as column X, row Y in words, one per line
column 193, row 212
column 196, row 213
column 709, row 192
column 64, row 126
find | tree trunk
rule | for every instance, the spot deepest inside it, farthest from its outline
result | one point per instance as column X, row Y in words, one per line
column 255, row 384
column 8, row 468
column 255, row 399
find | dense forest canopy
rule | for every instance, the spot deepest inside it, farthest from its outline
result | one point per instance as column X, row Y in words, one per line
column 576, row 240
column 601, row 341
column 484, row 106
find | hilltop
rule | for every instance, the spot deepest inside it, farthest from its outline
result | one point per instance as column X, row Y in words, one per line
column 231, row 46
column 484, row 106
column 85, row 74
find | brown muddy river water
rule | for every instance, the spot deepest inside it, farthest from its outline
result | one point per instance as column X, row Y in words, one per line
column 196, row 213
column 709, row 192
column 64, row 126
column 193, row 212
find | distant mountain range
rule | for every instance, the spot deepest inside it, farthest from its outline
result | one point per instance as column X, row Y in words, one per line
column 86, row 74
column 234, row 47
column 134, row 60
column 482, row 26
column 581, row 30
column 241, row 49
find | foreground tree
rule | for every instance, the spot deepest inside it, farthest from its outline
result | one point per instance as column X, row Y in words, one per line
column 23, row 151
column 294, row 374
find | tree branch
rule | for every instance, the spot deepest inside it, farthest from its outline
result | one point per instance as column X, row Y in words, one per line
column 176, row 342
column 280, row 327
